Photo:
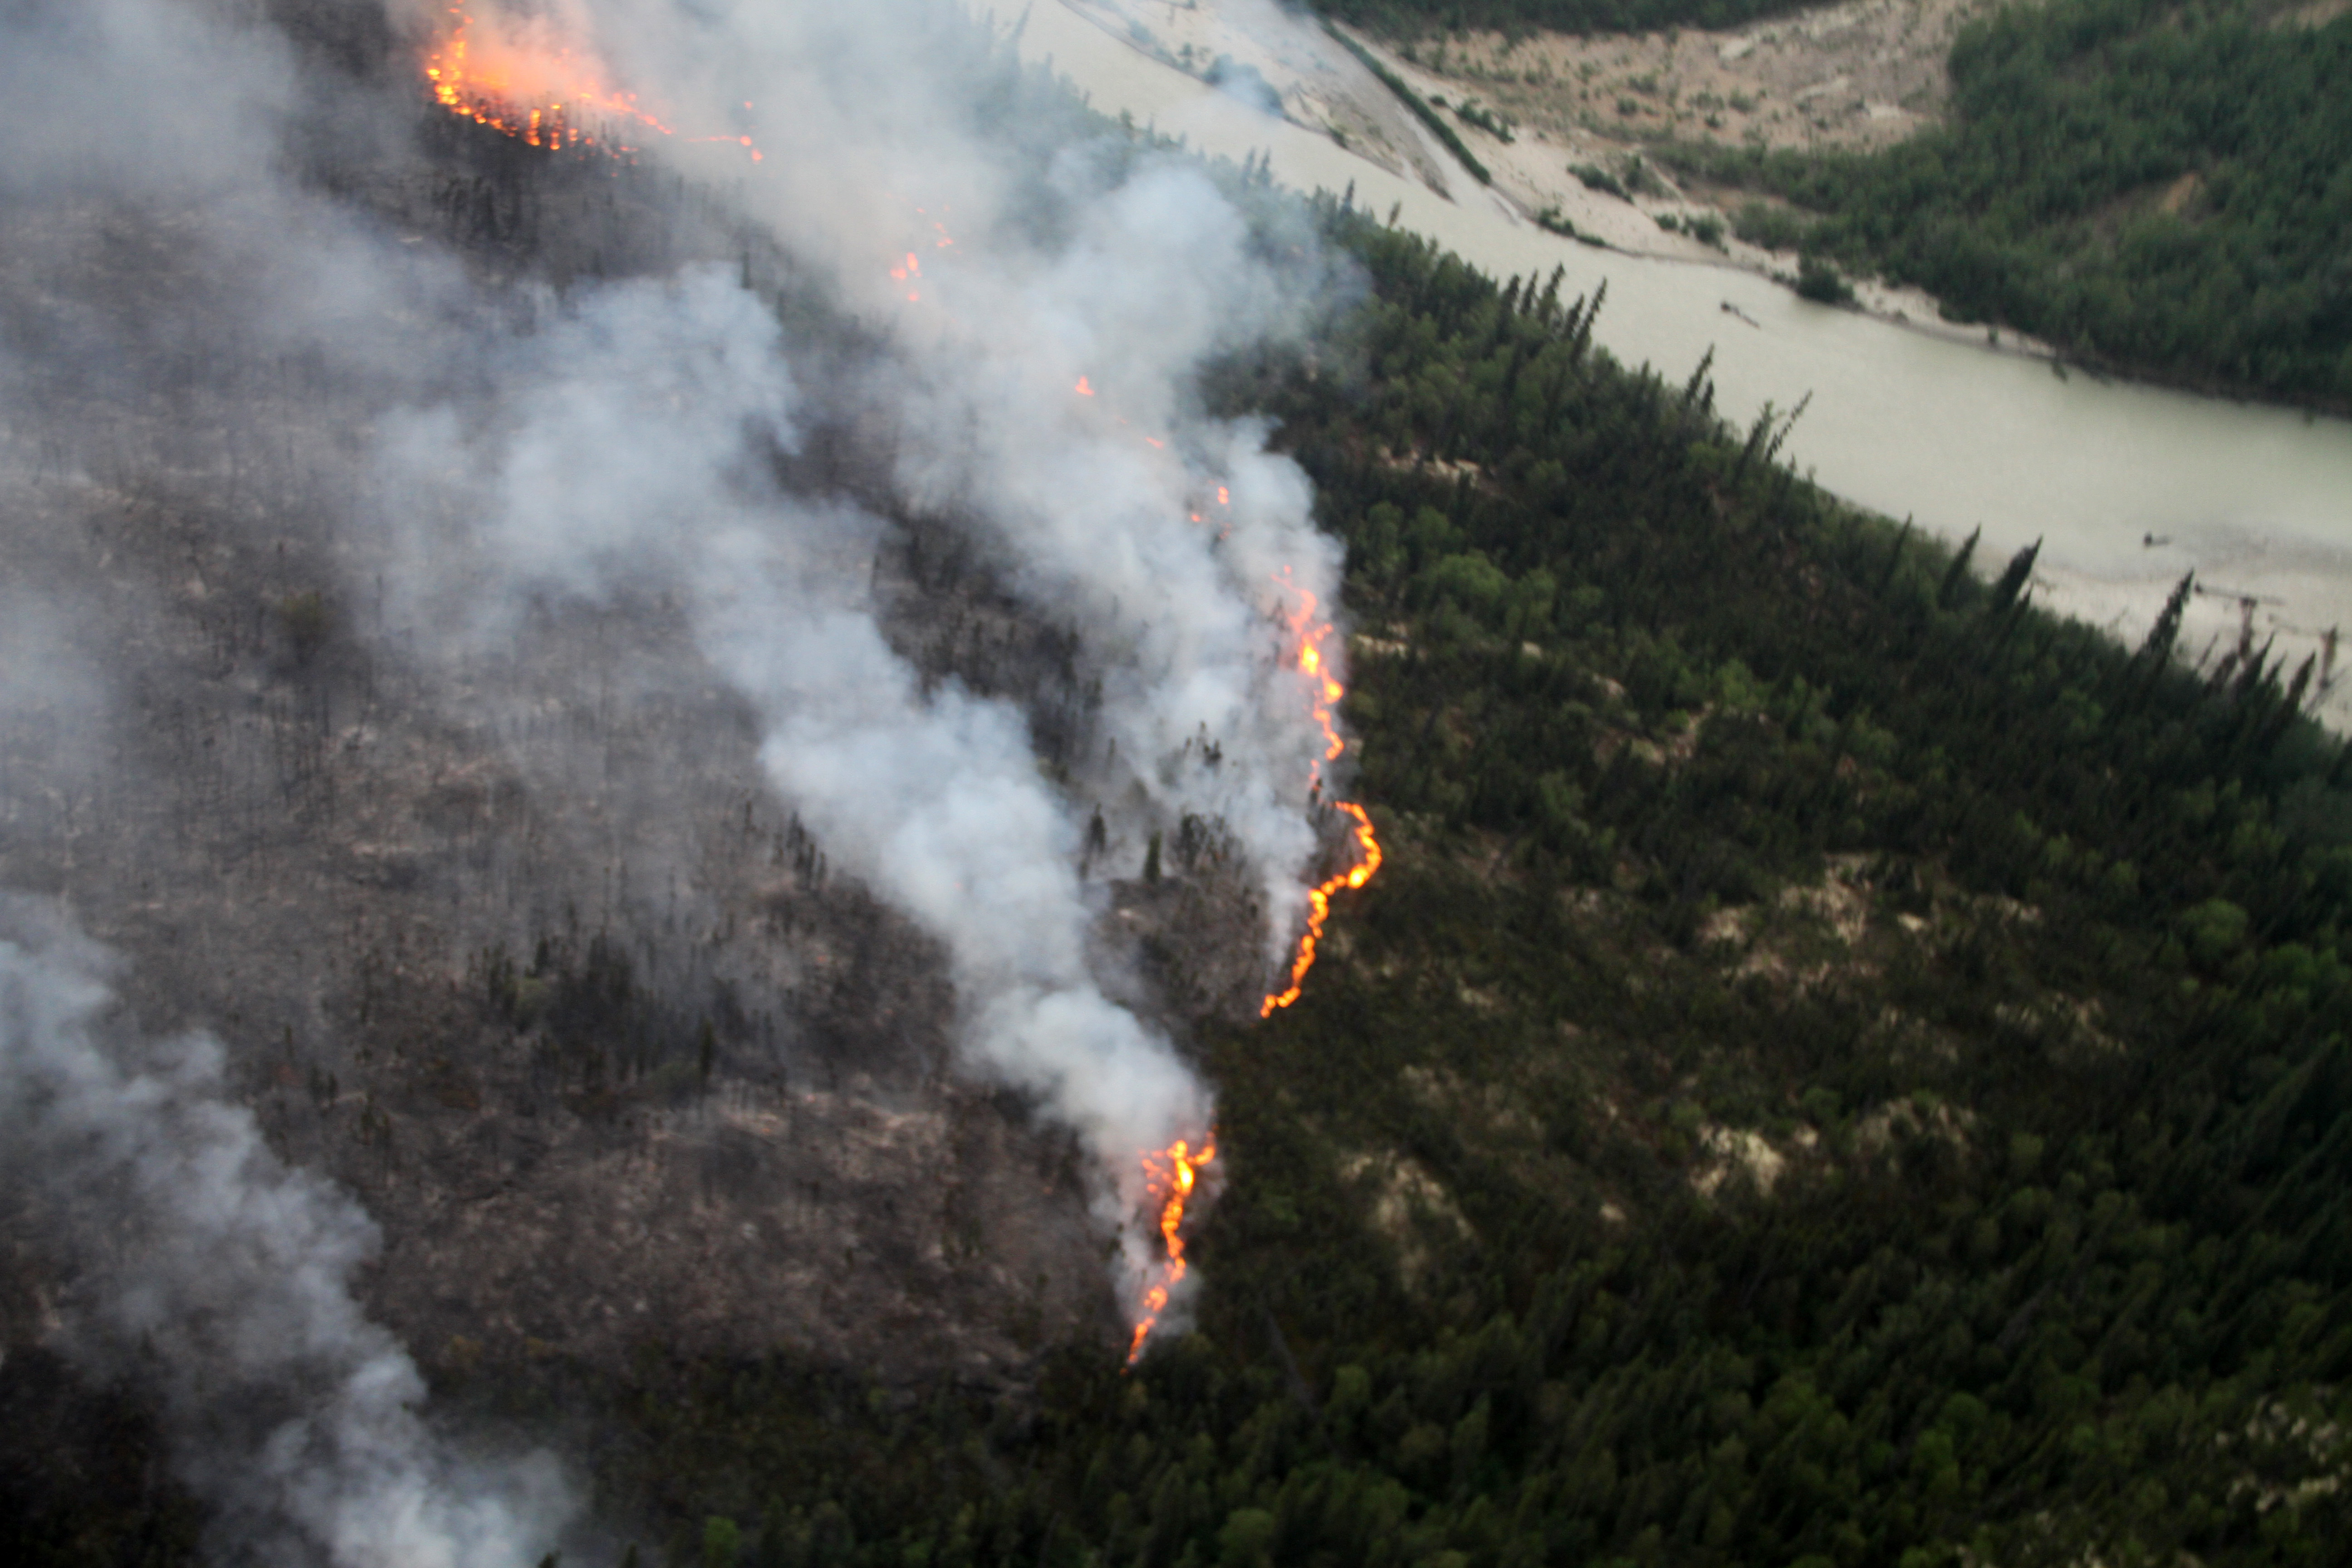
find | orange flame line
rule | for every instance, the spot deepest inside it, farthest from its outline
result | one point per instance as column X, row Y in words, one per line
column 1171, row 1174
column 1312, row 662
column 1318, row 902
column 484, row 97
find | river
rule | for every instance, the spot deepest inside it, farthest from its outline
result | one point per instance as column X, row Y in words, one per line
column 2257, row 500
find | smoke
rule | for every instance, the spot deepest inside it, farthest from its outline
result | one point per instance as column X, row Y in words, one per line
column 198, row 1265
column 1044, row 311
column 1175, row 540
column 202, row 1263
column 637, row 465
column 1178, row 541
column 125, row 98
column 1033, row 373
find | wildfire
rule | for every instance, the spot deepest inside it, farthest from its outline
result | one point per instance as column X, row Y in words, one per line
column 535, row 88
column 910, row 273
column 1314, row 663
column 1170, row 1175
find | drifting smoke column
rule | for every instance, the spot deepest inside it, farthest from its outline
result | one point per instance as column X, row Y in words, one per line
column 632, row 447
column 205, row 1262
column 1075, row 262
column 1182, row 555
column 196, row 1263
column 937, row 803
column 1083, row 264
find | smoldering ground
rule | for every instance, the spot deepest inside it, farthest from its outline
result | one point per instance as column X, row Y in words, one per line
column 221, row 1276
column 632, row 735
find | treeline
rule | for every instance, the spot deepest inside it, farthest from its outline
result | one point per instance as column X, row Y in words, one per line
column 2055, row 1265
column 2159, row 186
column 1407, row 19
column 1841, row 1067
column 1445, row 133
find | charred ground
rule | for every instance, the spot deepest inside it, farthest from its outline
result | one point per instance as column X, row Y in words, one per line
column 521, row 950
column 1842, row 1067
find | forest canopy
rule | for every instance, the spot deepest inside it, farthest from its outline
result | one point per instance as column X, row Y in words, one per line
column 1842, row 1067
column 2158, row 187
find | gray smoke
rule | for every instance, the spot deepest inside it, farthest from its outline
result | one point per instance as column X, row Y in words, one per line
column 1142, row 273
column 205, row 1266
column 1179, row 541
column 197, row 1263
column 521, row 453
column 1043, row 334
column 634, row 465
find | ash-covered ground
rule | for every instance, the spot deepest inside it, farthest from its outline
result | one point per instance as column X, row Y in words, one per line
column 520, row 946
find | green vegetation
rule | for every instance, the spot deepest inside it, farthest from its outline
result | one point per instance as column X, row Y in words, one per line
column 305, row 620
column 2156, row 186
column 1470, row 112
column 1422, row 110
column 1841, row 1067
column 1553, row 221
column 1706, row 228
column 1596, row 178
column 1776, row 228
column 1819, row 281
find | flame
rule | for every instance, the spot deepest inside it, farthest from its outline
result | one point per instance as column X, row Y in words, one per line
column 1314, row 663
column 911, row 270
column 1318, row 907
column 535, row 88
column 1170, row 1175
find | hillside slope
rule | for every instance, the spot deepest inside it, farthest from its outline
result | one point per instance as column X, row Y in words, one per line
column 1839, row 1068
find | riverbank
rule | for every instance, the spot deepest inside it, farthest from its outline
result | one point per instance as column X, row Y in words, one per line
column 1605, row 184
column 1541, row 88
column 1906, row 418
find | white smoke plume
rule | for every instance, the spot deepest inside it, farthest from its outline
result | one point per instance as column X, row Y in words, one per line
column 1009, row 276
column 196, row 1265
column 1179, row 541
column 635, row 463
column 1044, row 332
column 622, row 442
column 204, row 1264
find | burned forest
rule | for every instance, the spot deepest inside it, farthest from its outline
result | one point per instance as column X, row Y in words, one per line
column 894, row 827
column 518, row 948
column 433, row 548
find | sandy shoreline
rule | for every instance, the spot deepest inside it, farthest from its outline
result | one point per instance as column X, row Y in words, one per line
column 1931, row 421
column 1318, row 87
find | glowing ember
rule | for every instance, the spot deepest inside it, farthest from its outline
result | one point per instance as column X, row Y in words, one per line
column 1318, row 907
column 911, row 271
column 1313, row 662
column 1170, row 1177
column 1085, row 389
column 534, row 87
